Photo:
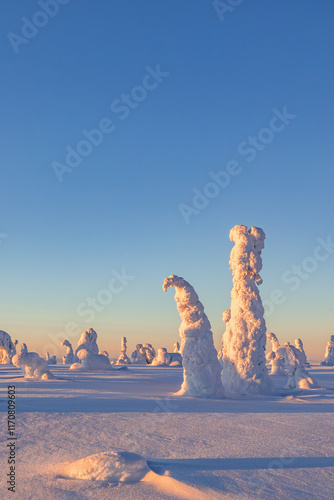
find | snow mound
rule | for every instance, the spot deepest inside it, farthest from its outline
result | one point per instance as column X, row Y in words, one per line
column 91, row 361
column 110, row 466
column 201, row 368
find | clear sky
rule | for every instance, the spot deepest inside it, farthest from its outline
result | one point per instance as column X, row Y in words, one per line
column 179, row 91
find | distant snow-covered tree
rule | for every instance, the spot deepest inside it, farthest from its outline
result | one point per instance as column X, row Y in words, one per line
column 123, row 358
column 276, row 360
column 69, row 358
column 329, row 353
column 7, row 348
column 302, row 356
column 297, row 375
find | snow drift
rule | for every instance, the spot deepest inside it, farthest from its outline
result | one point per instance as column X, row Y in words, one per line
column 244, row 339
column 201, row 368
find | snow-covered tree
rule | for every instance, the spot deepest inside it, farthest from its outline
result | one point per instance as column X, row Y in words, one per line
column 297, row 375
column 244, row 339
column 162, row 358
column 201, row 368
column 123, row 358
column 32, row 365
column 91, row 361
column 276, row 360
column 87, row 341
column 7, row 348
column 69, row 358
column 143, row 355
column 176, row 347
column 329, row 353
column 302, row 356
column 51, row 360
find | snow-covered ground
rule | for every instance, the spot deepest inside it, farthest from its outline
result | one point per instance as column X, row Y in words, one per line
column 271, row 447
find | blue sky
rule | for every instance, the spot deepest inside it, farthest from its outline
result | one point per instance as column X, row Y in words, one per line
column 120, row 207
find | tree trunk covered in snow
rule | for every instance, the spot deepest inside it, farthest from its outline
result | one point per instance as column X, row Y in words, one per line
column 201, row 369
column 244, row 340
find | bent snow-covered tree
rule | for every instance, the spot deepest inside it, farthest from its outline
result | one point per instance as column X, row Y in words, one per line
column 7, row 348
column 69, row 358
column 276, row 360
column 329, row 353
column 201, row 368
column 244, row 339
column 123, row 358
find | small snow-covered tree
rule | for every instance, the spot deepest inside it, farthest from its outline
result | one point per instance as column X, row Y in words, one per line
column 176, row 347
column 7, row 348
column 302, row 355
column 162, row 358
column 123, row 358
column 329, row 353
column 244, row 339
column 143, row 355
column 87, row 341
column 69, row 358
column 201, row 368
column 276, row 360
column 297, row 375
column 32, row 365
column 91, row 361
column 51, row 360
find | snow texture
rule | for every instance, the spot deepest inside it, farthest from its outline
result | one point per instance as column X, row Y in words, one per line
column 87, row 341
column 276, row 360
column 69, row 358
column 329, row 353
column 7, row 348
column 32, row 365
column 91, row 361
column 201, row 368
column 297, row 375
column 109, row 466
column 302, row 356
column 51, row 360
column 244, row 339
column 123, row 358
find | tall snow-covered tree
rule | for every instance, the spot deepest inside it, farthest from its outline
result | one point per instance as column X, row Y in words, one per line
column 201, row 368
column 244, row 339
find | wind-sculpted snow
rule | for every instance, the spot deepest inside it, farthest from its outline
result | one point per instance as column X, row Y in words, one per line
column 276, row 360
column 329, row 353
column 109, row 466
column 87, row 341
column 69, row 358
column 201, row 368
column 7, row 348
column 123, row 358
column 297, row 375
column 244, row 339
column 32, row 365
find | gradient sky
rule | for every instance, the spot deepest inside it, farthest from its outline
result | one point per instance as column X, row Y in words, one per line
column 120, row 207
